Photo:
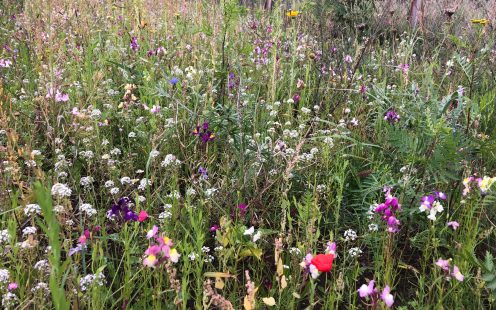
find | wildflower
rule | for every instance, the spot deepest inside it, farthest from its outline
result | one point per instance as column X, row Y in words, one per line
column 203, row 173
column 292, row 13
column 323, row 262
column 134, row 44
column 122, row 211
column 174, row 255
column 485, row 183
column 30, row 230
column 481, row 21
column 350, row 234
column 32, row 209
column 4, row 276
column 88, row 209
column 174, row 81
column 142, row 216
column 4, row 236
column 203, row 133
column 453, row 224
column 404, row 68
column 5, row 63
column 12, row 286
column 249, row 231
column 84, row 237
column 387, row 297
column 355, row 252
column 9, row 299
column 214, row 228
column 388, row 209
column 152, row 232
column 242, row 209
column 457, row 274
column 331, row 248
column 348, row 59
column 155, row 109
column 60, row 190
column 391, row 116
column 367, row 290
column 429, row 203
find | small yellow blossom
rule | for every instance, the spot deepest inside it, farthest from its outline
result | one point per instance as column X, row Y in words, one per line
column 292, row 13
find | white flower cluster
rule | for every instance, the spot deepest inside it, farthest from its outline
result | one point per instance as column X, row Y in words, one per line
column 41, row 287
column 354, row 252
column 9, row 299
column 170, row 160
column 144, row 183
column 88, row 209
column 86, row 181
column 90, row 280
column 4, row 236
column 4, row 276
column 32, row 209
column 42, row 266
column 60, row 190
column 350, row 234
column 30, row 230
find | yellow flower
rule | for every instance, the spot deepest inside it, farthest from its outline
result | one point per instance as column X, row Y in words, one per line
column 482, row 21
column 174, row 256
column 292, row 13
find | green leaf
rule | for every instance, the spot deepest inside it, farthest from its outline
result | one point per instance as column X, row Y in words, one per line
column 488, row 277
column 255, row 252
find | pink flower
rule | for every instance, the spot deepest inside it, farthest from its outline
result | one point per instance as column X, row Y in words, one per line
column 366, row 290
column 84, row 237
column 457, row 274
column 331, row 248
column 155, row 109
column 404, row 68
column 61, row 97
column 453, row 224
column 443, row 263
column 142, row 216
column 12, row 286
column 387, row 297
column 150, row 261
column 348, row 59
column 152, row 232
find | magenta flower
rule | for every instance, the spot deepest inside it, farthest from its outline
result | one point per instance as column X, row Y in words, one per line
column 203, row 133
column 12, row 286
column 142, row 216
column 387, row 297
column 453, row 224
column 214, row 228
column 242, row 209
column 331, row 248
column 388, row 210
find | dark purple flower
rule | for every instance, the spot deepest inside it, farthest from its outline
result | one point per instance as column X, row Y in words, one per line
column 203, row 173
column 204, row 134
column 296, row 98
column 214, row 228
column 391, row 116
column 122, row 211
column 134, row 44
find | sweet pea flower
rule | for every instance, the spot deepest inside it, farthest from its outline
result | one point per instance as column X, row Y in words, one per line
column 443, row 263
column 366, row 290
column 174, row 255
column 453, row 224
column 152, row 232
column 457, row 274
column 387, row 297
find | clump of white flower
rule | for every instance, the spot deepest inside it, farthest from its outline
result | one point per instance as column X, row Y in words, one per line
column 90, row 280
column 4, row 236
column 354, row 252
column 88, row 209
column 30, row 230
column 193, row 256
column 125, row 180
column 373, row 227
column 42, row 266
column 144, row 183
column 41, row 287
column 32, row 209
column 87, row 154
column 60, row 190
column 86, row 181
column 114, row 190
column 4, row 276
column 9, row 299
column 170, row 160
column 350, row 234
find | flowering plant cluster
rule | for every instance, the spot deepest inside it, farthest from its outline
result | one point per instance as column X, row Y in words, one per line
column 320, row 263
column 373, row 295
column 432, row 205
column 388, row 211
column 160, row 249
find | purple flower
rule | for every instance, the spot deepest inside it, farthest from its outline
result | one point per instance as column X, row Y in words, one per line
column 457, row 274
column 203, row 133
column 348, row 59
column 331, row 248
column 443, row 263
column 174, row 81
column 440, row 195
column 214, row 228
column 242, row 209
column 122, row 211
column 367, row 290
column 391, row 116
column 203, row 173
column 404, row 68
column 134, row 44
column 388, row 210
column 460, row 91
column 296, row 98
